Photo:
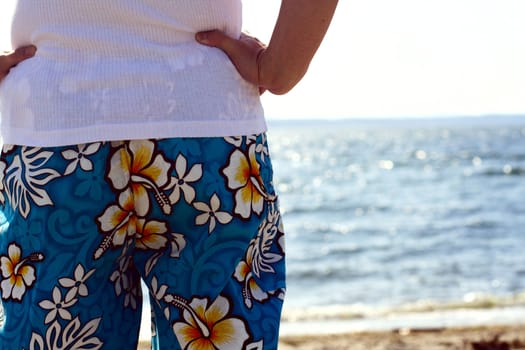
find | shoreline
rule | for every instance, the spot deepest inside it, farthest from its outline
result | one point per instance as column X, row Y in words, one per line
column 460, row 318
column 476, row 338
column 511, row 337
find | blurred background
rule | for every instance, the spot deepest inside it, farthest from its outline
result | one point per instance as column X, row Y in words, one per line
column 402, row 223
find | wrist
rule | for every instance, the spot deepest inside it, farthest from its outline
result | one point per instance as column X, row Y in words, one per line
column 274, row 74
column 267, row 79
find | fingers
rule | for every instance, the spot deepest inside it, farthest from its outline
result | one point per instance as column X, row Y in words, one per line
column 218, row 39
column 215, row 38
column 252, row 40
column 20, row 54
column 243, row 52
column 10, row 60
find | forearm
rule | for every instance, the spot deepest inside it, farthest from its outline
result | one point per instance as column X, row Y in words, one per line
column 300, row 28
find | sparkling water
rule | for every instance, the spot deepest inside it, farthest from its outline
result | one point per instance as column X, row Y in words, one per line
column 383, row 216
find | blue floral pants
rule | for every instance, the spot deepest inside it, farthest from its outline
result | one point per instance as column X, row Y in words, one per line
column 196, row 219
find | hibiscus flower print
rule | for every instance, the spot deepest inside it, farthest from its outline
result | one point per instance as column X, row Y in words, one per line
column 251, row 290
column 260, row 258
column 243, row 176
column 137, row 165
column 209, row 327
column 118, row 222
column 17, row 273
column 257, row 259
column 151, row 235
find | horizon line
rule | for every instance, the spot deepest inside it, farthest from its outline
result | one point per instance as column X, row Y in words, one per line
column 502, row 116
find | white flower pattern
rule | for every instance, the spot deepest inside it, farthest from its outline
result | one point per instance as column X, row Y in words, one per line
column 181, row 182
column 26, row 177
column 211, row 213
column 260, row 259
column 78, row 284
column 57, row 306
column 74, row 335
column 79, row 156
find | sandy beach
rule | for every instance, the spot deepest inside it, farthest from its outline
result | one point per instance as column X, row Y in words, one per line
column 477, row 338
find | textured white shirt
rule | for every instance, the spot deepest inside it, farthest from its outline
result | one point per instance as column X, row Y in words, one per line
column 124, row 69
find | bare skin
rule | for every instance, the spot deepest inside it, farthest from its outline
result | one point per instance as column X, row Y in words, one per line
column 9, row 60
column 297, row 35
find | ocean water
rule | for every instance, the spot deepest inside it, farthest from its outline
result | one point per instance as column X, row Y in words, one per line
column 393, row 221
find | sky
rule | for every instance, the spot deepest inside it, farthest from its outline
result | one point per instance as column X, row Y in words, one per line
column 403, row 58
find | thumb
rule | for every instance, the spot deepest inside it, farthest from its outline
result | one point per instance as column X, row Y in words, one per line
column 216, row 38
column 21, row 54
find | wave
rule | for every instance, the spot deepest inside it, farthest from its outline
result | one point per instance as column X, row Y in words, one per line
column 329, row 207
column 471, row 301
column 507, row 170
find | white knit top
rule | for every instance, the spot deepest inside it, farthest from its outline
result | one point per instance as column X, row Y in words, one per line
column 124, row 69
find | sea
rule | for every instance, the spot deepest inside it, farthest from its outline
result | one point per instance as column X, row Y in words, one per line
column 405, row 223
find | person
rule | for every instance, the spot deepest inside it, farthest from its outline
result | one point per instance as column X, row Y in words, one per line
column 135, row 149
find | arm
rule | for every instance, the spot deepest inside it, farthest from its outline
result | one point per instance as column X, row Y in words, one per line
column 299, row 30
column 8, row 61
